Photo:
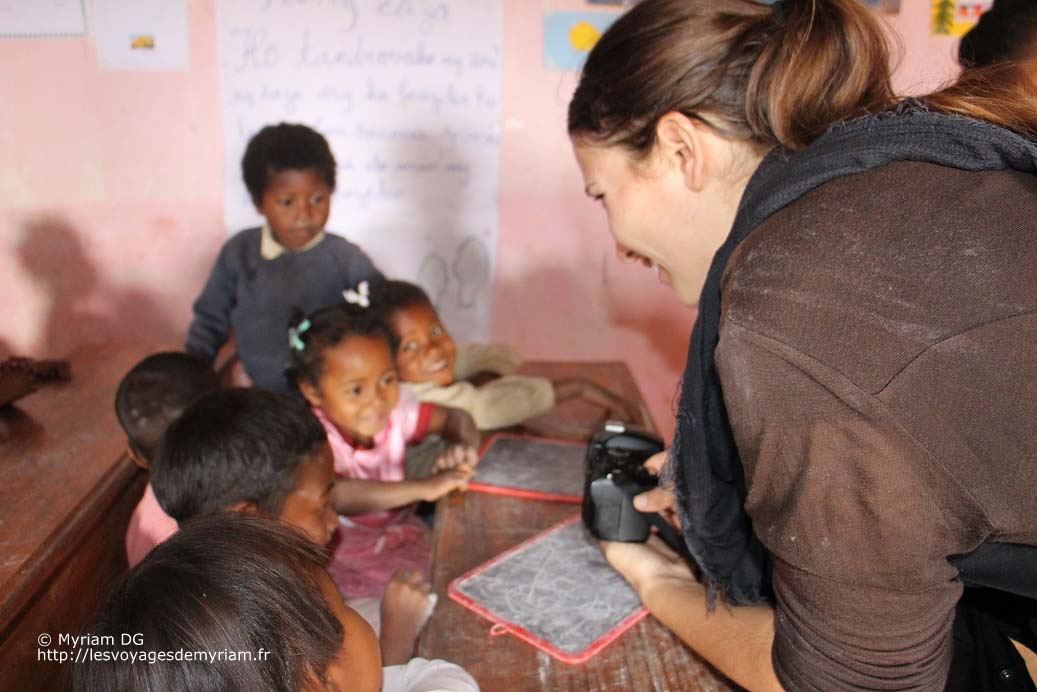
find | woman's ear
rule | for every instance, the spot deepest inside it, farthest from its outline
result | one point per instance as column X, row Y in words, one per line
column 679, row 140
column 310, row 392
column 245, row 507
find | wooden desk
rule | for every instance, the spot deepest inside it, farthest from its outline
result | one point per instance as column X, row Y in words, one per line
column 474, row 527
column 66, row 492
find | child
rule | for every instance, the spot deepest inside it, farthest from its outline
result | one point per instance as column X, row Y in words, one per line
column 238, row 602
column 1006, row 32
column 261, row 452
column 343, row 364
column 150, row 397
column 263, row 274
column 435, row 370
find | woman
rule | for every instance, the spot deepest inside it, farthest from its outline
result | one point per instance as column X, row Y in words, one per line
column 859, row 400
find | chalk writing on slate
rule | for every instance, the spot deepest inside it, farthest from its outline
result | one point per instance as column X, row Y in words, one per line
column 555, row 591
column 543, row 469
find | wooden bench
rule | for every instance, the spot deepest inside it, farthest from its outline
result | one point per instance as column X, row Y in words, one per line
column 67, row 490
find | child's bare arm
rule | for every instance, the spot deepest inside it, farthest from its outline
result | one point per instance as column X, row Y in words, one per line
column 355, row 496
column 615, row 405
column 454, row 425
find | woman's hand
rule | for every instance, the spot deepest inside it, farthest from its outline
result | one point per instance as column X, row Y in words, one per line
column 659, row 499
column 649, row 567
column 644, row 564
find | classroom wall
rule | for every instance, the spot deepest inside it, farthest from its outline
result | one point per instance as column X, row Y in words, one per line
column 111, row 204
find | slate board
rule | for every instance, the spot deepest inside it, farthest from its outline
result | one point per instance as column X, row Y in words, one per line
column 531, row 467
column 555, row 591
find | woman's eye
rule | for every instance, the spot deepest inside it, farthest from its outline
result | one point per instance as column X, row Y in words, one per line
column 316, row 199
column 388, row 380
column 285, row 202
column 354, row 391
column 436, row 331
column 410, row 346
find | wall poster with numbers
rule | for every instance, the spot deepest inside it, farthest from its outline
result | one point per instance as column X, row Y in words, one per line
column 408, row 94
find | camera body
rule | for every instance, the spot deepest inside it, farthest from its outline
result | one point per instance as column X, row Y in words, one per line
column 615, row 474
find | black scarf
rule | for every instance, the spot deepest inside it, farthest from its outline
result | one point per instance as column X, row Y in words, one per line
column 709, row 481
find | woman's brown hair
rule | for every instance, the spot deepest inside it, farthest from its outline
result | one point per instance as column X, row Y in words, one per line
column 1004, row 94
column 757, row 73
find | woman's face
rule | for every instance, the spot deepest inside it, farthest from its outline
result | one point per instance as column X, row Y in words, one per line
column 657, row 214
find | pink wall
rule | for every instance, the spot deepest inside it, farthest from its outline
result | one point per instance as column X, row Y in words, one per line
column 111, row 204
column 924, row 62
column 110, row 195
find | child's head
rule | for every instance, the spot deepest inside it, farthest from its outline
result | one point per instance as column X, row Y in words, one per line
column 1006, row 32
column 153, row 393
column 342, row 362
column 232, row 582
column 425, row 352
column 249, row 450
column 289, row 171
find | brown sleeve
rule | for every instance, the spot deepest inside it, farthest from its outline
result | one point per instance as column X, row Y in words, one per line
column 848, row 504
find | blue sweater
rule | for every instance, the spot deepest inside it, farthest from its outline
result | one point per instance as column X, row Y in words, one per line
column 254, row 298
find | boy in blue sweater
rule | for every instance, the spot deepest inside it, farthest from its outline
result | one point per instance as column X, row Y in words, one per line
column 262, row 275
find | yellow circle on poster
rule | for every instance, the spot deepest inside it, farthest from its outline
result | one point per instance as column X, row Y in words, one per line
column 583, row 36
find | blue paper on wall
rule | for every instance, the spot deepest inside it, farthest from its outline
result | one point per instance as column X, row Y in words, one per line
column 569, row 37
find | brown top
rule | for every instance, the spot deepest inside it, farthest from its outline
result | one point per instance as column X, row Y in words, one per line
column 877, row 354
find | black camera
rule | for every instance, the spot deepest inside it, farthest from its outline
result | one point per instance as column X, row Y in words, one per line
column 615, row 474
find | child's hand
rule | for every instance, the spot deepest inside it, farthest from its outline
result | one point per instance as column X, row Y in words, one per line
column 406, row 605
column 454, row 425
column 446, row 482
column 457, row 456
column 460, row 428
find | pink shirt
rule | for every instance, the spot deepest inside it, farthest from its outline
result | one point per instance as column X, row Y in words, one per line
column 148, row 527
column 385, row 460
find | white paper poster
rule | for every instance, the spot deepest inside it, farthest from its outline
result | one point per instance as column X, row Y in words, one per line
column 144, row 35
column 41, row 18
column 408, row 94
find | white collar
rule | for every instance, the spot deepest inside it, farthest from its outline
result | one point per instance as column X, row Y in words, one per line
column 270, row 249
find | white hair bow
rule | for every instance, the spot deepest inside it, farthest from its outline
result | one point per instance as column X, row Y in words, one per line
column 361, row 296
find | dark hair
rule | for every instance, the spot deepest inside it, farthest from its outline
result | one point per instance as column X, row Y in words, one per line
column 1007, row 31
column 234, row 445
column 281, row 147
column 391, row 295
column 763, row 75
column 229, row 582
column 157, row 390
column 326, row 328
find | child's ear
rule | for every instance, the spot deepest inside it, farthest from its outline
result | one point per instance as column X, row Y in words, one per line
column 244, row 507
column 310, row 392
